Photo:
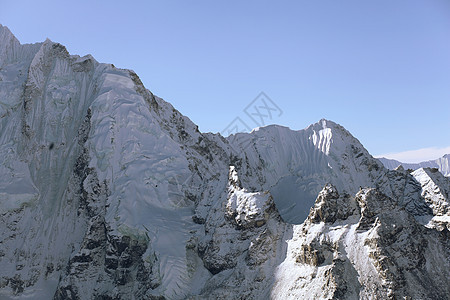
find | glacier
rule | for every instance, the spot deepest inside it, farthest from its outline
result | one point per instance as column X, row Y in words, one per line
column 108, row 192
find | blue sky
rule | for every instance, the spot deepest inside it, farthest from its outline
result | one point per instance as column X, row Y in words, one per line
column 379, row 68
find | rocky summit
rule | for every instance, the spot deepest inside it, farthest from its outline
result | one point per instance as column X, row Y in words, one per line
column 108, row 192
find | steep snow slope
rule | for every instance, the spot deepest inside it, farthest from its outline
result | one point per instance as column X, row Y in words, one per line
column 442, row 164
column 295, row 165
column 106, row 191
column 86, row 147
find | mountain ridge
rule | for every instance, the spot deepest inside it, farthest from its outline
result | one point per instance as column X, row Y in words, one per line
column 107, row 191
column 442, row 164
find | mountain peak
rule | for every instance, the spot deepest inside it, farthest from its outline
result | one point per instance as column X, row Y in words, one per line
column 4, row 31
column 327, row 123
column 9, row 45
column 143, row 205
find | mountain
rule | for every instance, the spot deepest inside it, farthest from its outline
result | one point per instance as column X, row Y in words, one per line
column 108, row 192
column 442, row 164
column 436, row 192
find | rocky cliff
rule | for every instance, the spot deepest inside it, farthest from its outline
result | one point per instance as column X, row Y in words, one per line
column 108, row 192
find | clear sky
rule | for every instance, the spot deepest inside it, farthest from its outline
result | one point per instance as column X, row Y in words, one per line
column 379, row 68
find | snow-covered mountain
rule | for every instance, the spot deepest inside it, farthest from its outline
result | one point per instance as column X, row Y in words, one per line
column 108, row 192
column 442, row 164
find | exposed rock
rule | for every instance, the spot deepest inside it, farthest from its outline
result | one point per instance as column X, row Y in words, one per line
column 380, row 251
column 329, row 206
column 108, row 192
column 436, row 192
column 247, row 209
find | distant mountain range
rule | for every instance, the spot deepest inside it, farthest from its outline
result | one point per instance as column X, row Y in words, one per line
column 442, row 164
